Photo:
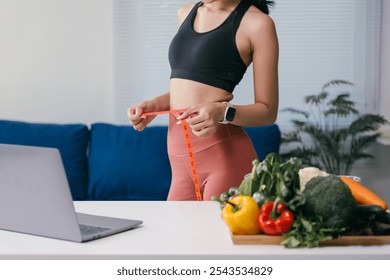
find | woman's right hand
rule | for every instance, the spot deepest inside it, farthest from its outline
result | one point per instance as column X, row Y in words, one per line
column 134, row 114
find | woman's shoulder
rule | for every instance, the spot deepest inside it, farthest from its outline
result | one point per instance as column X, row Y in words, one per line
column 257, row 17
column 188, row 6
column 256, row 22
column 184, row 10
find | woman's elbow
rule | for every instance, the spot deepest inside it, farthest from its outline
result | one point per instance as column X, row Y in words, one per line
column 271, row 117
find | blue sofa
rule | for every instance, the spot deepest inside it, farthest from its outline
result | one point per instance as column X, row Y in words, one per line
column 114, row 162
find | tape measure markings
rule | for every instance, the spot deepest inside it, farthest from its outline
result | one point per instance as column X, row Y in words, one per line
column 192, row 160
column 190, row 152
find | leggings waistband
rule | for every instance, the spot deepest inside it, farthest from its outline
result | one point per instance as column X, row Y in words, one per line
column 177, row 144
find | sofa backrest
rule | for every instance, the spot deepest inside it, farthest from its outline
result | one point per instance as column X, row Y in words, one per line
column 125, row 164
column 114, row 162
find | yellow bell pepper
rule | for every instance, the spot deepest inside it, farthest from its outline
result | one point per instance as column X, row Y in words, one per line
column 240, row 215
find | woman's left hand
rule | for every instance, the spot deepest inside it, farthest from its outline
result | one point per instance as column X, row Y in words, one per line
column 203, row 119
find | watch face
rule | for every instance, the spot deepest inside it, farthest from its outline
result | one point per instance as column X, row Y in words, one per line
column 231, row 112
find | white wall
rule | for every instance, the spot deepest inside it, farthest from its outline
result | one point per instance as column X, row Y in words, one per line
column 56, row 60
column 385, row 66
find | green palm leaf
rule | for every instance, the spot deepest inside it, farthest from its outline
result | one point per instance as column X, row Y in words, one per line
column 341, row 106
column 298, row 124
column 320, row 142
column 295, row 111
column 336, row 83
column 316, row 99
column 290, row 137
column 361, row 143
column 366, row 123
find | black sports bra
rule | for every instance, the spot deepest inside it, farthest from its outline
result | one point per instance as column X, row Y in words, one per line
column 209, row 57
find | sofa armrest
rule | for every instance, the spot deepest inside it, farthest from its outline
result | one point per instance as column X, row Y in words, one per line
column 70, row 139
column 266, row 139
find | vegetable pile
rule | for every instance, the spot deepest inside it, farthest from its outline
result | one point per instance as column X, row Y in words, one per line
column 306, row 205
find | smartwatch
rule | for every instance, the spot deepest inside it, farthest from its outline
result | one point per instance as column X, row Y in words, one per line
column 230, row 112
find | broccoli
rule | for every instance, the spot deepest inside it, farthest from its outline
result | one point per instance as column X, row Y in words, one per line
column 331, row 199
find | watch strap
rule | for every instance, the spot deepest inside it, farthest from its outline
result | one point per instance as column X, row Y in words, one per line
column 229, row 110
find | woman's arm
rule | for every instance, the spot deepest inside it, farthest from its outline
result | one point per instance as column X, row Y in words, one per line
column 259, row 44
column 159, row 103
column 265, row 56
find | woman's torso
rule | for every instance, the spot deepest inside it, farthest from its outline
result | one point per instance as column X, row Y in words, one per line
column 185, row 93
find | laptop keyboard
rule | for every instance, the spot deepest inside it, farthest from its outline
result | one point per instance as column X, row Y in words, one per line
column 87, row 229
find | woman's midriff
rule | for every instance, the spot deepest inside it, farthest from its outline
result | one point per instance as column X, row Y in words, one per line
column 186, row 93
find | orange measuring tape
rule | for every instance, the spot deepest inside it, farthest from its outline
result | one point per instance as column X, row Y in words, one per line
column 186, row 132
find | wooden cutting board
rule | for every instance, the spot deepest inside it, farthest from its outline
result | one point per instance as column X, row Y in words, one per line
column 261, row 239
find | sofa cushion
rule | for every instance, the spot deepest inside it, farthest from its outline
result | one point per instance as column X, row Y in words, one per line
column 266, row 139
column 70, row 139
column 125, row 164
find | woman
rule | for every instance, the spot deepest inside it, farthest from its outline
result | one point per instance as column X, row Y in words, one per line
column 216, row 42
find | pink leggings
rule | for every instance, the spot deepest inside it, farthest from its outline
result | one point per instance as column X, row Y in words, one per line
column 221, row 160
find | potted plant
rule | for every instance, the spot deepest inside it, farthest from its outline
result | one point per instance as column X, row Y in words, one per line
column 332, row 135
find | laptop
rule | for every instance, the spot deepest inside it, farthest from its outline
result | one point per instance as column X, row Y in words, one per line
column 35, row 198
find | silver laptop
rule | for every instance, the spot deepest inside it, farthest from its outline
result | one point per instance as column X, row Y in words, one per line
column 35, row 198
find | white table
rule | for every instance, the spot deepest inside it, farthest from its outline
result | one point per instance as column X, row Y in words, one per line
column 171, row 230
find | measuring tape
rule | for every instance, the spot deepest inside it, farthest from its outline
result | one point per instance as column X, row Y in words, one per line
column 186, row 132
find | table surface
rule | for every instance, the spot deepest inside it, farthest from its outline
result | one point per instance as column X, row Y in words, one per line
column 170, row 230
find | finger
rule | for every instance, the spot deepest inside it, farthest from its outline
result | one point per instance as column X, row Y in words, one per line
column 207, row 131
column 133, row 119
column 139, row 126
column 195, row 119
column 139, row 110
column 191, row 112
column 130, row 112
column 142, row 122
column 197, row 126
